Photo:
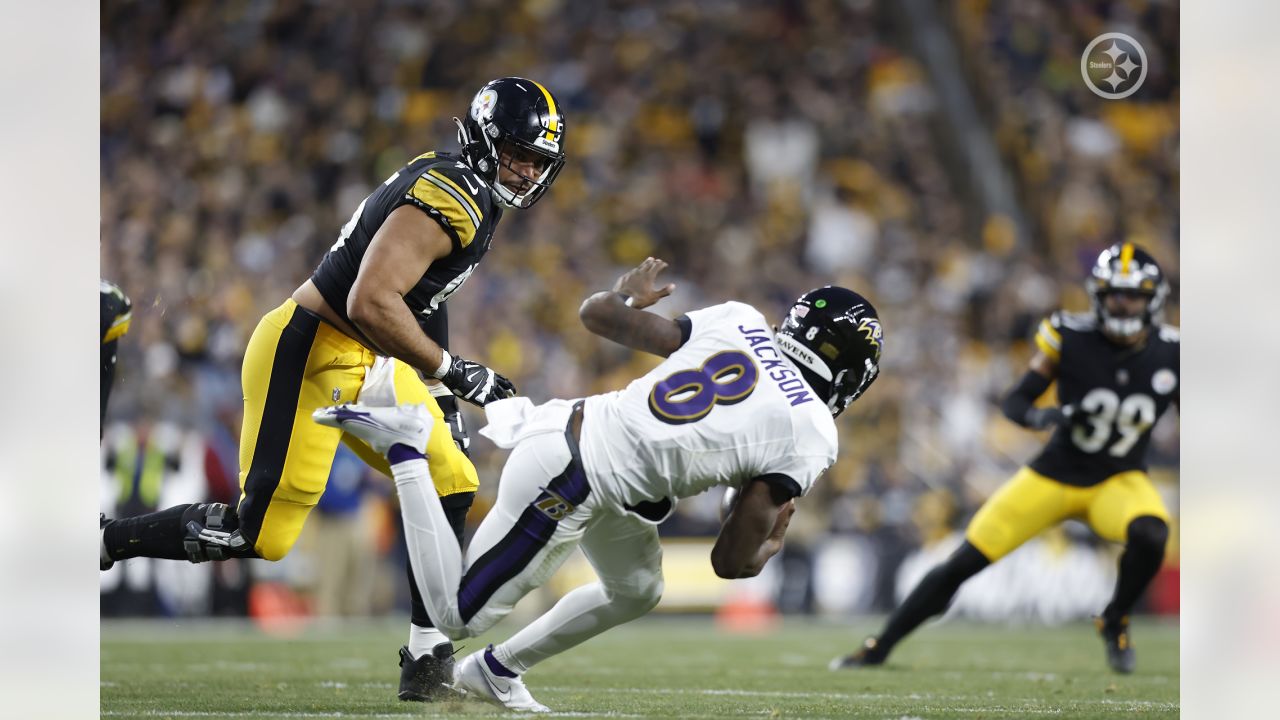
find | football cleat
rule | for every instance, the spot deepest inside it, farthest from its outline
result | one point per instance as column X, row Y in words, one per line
column 1120, row 655
column 381, row 427
column 104, row 560
column 429, row 678
column 475, row 677
column 869, row 654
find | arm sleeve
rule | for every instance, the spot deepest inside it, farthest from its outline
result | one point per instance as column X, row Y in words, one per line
column 1023, row 396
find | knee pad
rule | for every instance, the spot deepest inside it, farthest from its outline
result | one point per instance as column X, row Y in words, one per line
column 639, row 593
column 1148, row 533
column 213, row 533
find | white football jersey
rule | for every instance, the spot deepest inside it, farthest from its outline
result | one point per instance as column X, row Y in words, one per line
column 725, row 407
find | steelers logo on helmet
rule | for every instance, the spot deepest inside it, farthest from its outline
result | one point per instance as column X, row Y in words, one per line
column 834, row 336
column 1126, row 268
column 514, row 123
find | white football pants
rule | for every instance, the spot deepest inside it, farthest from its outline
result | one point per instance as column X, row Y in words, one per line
column 544, row 509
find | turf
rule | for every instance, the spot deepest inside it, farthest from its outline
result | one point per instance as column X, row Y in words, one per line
column 657, row 667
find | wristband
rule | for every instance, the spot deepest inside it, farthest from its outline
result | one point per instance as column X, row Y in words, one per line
column 445, row 361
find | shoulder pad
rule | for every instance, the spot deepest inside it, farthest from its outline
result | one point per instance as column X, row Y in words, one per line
column 451, row 191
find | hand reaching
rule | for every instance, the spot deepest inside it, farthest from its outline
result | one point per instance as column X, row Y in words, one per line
column 638, row 284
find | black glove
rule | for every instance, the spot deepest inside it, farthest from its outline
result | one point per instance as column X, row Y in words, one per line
column 1041, row 418
column 457, row 428
column 473, row 382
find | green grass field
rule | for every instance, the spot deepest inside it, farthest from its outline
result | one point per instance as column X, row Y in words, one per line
column 656, row 667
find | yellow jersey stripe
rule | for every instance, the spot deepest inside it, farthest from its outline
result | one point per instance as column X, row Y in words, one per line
column 1051, row 334
column 118, row 328
column 449, row 206
column 551, row 108
column 1052, row 352
column 1126, row 256
column 464, row 195
column 428, row 155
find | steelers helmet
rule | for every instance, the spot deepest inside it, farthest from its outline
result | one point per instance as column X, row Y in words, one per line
column 833, row 335
column 1125, row 267
column 513, row 115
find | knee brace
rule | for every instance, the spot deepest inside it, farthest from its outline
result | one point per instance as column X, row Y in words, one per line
column 1148, row 534
column 213, row 533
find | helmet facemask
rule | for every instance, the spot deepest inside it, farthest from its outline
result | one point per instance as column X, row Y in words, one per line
column 1126, row 269
column 506, row 124
column 834, row 337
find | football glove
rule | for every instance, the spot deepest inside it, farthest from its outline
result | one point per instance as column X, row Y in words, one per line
column 1046, row 417
column 472, row 381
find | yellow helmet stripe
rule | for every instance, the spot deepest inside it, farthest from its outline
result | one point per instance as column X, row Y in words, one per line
column 551, row 108
column 1126, row 256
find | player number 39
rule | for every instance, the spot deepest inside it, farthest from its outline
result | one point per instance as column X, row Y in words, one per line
column 1103, row 410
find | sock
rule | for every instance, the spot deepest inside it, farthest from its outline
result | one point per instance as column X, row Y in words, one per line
column 931, row 596
column 434, row 553
column 579, row 616
column 1143, row 554
column 157, row 535
column 400, row 453
column 496, row 667
column 422, row 640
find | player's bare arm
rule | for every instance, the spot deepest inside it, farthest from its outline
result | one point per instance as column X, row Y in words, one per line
column 397, row 258
column 618, row 314
column 754, row 530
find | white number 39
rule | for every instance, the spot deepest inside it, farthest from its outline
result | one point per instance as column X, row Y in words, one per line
column 1104, row 409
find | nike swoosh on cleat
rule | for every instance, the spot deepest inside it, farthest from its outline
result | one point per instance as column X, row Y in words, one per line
column 503, row 695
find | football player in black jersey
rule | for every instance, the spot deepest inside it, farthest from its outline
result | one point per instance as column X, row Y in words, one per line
column 1117, row 371
column 378, row 295
column 116, row 312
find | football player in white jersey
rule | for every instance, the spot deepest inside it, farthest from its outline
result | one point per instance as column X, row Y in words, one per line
column 735, row 404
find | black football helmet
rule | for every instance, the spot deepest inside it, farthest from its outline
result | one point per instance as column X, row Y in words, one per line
column 513, row 115
column 1125, row 267
column 833, row 335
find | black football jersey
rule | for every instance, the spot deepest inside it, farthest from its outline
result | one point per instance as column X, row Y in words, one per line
column 444, row 188
column 1117, row 394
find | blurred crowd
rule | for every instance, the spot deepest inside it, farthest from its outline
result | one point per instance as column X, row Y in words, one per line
column 761, row 148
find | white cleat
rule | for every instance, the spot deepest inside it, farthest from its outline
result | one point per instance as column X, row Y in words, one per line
column 474, row 677
column 381, row 427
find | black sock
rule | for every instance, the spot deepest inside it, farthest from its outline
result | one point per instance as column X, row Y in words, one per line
column 1143, row 554
column 157, row 535
column 932, row 595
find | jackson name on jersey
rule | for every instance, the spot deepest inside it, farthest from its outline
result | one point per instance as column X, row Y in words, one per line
column 725, row 407
column 449, row 192
column 1117, row 394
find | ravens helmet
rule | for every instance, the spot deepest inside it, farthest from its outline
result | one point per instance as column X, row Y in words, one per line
column 833, row 335
column 514, row 117
column 1125, row 267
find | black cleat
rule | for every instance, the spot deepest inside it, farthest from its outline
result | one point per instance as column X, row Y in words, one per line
column 429, row 678
column 870, row 654
column 104, row 561
column 1120, row 655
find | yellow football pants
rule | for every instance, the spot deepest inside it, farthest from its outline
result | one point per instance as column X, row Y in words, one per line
column 1031, row 503
column 295, row 364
